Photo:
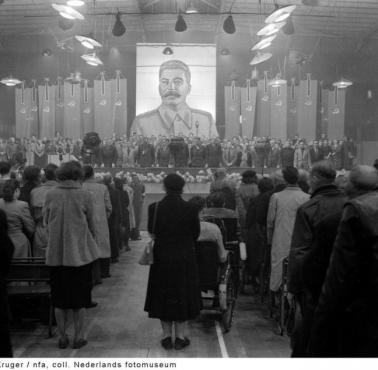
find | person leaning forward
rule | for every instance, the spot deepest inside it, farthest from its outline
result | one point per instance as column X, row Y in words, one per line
column 174, row 117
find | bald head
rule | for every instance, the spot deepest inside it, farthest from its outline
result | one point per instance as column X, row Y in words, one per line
column 362, row 179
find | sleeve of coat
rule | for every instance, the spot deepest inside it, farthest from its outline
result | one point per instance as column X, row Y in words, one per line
column 151, row 211
column 341, row 275
column 300, row 245
column 196, row 226
column 272, row 210
column 27, row 220
column 108, row 203
column 89, row 213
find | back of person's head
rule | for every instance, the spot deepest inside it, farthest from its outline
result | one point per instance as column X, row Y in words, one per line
column 323, row 172
column 71, row 170
column 249, row 177
column 32, row 174
column 220, row 174
column 290, row 175
column 304, row 180
column 5, row 168
column 9, row 189
column 107, row 180
column 265, row 184
column 173, row 183
column 362, row 179
column 341, row 181
column 216, row 200
column 277, row 177
column 376, row 164
column 88, row 171
column 118, row 183
column 50, row 172
column 198, row 202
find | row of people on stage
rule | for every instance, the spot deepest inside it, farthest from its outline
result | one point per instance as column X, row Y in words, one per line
column 193, row 151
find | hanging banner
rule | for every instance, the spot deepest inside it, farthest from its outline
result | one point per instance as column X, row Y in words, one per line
column 248, row 109
column 278, row 112
column 21, row 109
column 87, row 109
column 119, row 102
column 232, row 110
column 46, row 95
column 336, row 114
column 103, row 122
column 263, row 107
column 72, row 111
column 307, row 104
column 292, row 109
column 324, row 113
column 59, row 106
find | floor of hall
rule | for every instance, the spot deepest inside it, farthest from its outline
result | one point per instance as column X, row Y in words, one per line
column 118, row 326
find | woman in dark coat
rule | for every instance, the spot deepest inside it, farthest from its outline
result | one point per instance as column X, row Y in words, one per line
column 6, row 252
column 125, row 225
column 173, row 292
column 31, row 179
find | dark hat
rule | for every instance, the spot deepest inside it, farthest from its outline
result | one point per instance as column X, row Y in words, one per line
column 248, row 174
column 174, row 182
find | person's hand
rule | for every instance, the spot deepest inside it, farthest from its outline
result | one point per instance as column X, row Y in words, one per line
column 113, row 165
column 290, row 299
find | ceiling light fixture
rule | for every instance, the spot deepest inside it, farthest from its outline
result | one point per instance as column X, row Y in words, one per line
column 270, row 29
column 88, row 41
column 75, row 2
column 10, row 81
column 288, row 28
column 264, row 43
column 47, row 53
column 180, row 24
column 278, row 81
column 92, row 59
column 167, row 50
column 67, row 12
column 191, row 9
column 280, row 14
column 342, row 84
column 65, row 24
column 260, row 58
column 229, row 25
column 119, row 28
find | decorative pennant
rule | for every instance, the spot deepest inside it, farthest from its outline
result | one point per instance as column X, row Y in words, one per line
column 46, row 110
column 103, row 109
column 278, row 112
column 87, row 112
column 266, row 87
column 59, row 106
column 292, row 110
column 22, row 129
column 232, row 110
column 307, row 108
column 119, row 99
column 336, row 114
column 248, row 96
column 263, row 107
column 308, row 101
column 72, row 111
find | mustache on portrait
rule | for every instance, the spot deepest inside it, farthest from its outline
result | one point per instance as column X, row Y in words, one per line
column 172, row 93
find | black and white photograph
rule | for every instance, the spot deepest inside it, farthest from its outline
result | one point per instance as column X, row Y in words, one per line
column 188, row 180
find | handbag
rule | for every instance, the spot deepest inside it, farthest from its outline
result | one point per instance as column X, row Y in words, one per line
column 147, row 257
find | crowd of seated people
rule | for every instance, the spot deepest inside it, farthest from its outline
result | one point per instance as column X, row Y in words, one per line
column 317, row 220
column 138, row 151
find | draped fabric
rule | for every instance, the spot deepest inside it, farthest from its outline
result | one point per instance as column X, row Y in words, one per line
column 232, row 110
column 324, row 112
column 103, row 108
column 72, row 111
column 21, row 112
column 248, row 109
column 336, row 114
column 119, row 102
column 59, row 106
column 292, row 110
column 46, row 96
column 307, row 103
column 263, row 107
column 87, row 108
column 278, row 112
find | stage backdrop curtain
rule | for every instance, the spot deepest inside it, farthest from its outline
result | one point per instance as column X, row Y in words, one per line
column 278, row 112
column 119, row 102
column 59, row 107
column 248, row 109
column 72, row 111
column 263, row 107
column 307, row 103
column 324, row 112
column 103, row 121
column 232, row 110
column 21, row 111
column 292, row 110
column 87, row 108
column 336, row 114
column 46, row 99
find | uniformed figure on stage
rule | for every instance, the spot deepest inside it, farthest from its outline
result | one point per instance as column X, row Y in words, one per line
column 174, row 116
